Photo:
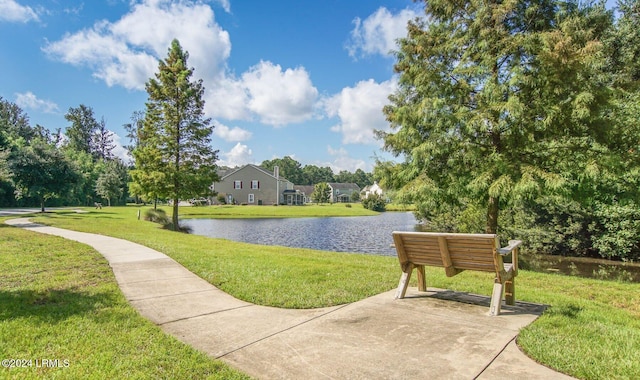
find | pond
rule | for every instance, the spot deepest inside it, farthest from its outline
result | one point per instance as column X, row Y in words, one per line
column 361, row 234
column 372, row 235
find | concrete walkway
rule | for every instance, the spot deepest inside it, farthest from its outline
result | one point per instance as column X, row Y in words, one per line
column 435, row 335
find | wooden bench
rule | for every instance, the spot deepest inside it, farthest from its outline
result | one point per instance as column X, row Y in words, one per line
column 456, row 253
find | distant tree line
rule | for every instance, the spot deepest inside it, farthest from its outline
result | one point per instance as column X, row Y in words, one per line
column 74, row 167
column 293, row 171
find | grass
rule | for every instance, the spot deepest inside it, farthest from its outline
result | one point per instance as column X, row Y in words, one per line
column 591, row 329
column 59, row 301
column 230, row 211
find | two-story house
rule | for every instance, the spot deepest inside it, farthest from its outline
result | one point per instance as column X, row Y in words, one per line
column 342, row 192
column 253, row 185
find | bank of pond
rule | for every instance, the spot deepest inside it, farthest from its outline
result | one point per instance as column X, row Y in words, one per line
column 372, row 235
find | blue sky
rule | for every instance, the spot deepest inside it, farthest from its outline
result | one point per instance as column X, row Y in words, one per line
column 305, row 79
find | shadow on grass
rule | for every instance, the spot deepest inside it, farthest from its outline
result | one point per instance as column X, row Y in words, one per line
column 51, row 305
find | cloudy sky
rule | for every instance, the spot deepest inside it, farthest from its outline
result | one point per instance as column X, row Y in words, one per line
column 307, row 79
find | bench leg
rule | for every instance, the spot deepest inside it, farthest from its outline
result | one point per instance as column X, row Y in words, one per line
column 422, row 282
column 404, row 280
column 510, row 292
column 496, row 299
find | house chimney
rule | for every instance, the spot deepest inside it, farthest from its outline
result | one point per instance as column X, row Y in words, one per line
column 276, row 171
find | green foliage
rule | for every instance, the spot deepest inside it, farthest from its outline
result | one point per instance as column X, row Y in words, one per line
column 157, row 216
column 288, row 168
column 174, row 158
column 374, row 202
column 494, row 101
column 112, row 182
column 616, row 231
column 86, row 134
column 293, row 171
column 321, row 193
column 41, row 171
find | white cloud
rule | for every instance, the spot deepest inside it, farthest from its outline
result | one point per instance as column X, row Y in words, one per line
column 227, row 99
column 11, row 11
column 120, row 151
column 239, row 155
column 225, row 5
column 279, row 97
column 125, row 52
column 28, row 100
column 342, row 161
column 378, row 33
column 230, row 134
column 359, row 109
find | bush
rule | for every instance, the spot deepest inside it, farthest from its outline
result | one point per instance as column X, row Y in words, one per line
column 374, row 202
column 157, row 216
column 616, row 231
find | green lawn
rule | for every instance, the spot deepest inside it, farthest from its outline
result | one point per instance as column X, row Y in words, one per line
column 59, row 301
column 591, row 329
column 229, row 211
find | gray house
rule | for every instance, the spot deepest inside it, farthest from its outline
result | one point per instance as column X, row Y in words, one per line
column 342, row 192
column 253, row 185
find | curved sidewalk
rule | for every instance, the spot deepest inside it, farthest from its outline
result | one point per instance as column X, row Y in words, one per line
column 434, row 335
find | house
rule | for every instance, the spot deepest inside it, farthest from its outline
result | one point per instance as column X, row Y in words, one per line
column 342, row 192
column 253, row 185
column 372, row 189
column 306, row 191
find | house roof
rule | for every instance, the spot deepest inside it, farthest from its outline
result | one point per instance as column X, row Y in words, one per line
column 306, row 189
column 256, row 167
column 344, row 186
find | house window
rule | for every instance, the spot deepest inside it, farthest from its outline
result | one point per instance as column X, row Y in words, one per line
column 237, row 185
column 251, row 198
column 255, row 184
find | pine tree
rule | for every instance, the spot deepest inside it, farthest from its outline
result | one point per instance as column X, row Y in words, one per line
column 81, row 132
column 175, row 137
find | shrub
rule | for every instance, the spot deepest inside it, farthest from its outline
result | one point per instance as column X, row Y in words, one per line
column 157, row 216
column 616, row 231
column 374, row 202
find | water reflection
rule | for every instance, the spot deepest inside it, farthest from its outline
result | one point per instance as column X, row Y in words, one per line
column 366, row 234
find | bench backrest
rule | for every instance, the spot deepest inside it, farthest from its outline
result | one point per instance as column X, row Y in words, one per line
column 454, row 252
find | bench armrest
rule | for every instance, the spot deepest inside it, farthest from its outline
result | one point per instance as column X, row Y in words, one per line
column 513, row 244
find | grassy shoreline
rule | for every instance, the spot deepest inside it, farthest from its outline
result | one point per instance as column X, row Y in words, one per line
column 591, row 329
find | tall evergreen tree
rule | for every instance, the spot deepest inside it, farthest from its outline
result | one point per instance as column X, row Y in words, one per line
column 80, row 134
column 175, row 128
column 103, row 144
column 494, row 100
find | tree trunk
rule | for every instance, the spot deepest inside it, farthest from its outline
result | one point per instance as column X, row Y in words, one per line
column 174, row 217
column 492, row 215
column 42, row 204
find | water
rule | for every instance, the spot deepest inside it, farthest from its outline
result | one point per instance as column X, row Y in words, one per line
column 364, row 234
